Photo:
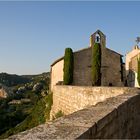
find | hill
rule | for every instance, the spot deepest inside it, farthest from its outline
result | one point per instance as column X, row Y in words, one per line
column 12, row 79
column 27, row 107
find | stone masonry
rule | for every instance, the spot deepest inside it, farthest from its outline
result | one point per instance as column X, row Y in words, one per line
column 70, row 99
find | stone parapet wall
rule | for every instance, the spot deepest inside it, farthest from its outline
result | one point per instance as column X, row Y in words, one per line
column 70, row 99
column 116, row 118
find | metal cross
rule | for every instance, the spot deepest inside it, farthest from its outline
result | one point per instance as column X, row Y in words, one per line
column 138, row 40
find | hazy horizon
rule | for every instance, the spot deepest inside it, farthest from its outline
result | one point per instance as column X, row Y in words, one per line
column 34, row 34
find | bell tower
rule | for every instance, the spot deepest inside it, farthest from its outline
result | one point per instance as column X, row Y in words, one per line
column 98, row 37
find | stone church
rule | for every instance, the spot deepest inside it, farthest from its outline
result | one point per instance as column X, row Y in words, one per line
column 112, row 67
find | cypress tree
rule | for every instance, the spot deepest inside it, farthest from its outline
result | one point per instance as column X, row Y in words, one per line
column 138, row 76
column 68, row 67
column 96, row 64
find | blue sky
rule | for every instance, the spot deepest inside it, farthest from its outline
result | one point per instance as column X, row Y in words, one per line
column 34, row 34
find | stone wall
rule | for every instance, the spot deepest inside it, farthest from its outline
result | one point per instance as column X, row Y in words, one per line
column 134, row 63
column 102, row 38
column 57, row 73
column 116, row 118
column 82, row 67
column 122, row 121
column 111, row 68
column 130, row 55
column 69, row 99
column 132, row 67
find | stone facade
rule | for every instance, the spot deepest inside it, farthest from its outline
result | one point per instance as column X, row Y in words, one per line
column 82, row 67
column 111, row 66
column 132, row 66
column 111, row 69
column 57, row 73
column 132, row 54
column 70, row 99
column 116, row 118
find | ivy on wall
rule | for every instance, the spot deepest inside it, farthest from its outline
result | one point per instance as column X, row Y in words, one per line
column 96, row 64
column 68, row 67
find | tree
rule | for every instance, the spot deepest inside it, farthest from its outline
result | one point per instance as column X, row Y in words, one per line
column 96, row 64
column 138, row 77
column 68, row 67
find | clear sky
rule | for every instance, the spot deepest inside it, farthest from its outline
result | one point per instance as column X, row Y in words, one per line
column 34, row 34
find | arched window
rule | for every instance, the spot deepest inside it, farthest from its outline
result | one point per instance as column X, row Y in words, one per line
column 97, row 38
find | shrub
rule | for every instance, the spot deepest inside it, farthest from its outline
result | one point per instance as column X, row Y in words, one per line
column 96, row 64
column 138, row 77
column 59, row 114
column 68, row 66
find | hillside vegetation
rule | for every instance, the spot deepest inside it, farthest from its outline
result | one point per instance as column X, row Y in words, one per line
column 28, row 107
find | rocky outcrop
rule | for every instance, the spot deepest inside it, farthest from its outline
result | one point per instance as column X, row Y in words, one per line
column 5, row 91
column 37, row 87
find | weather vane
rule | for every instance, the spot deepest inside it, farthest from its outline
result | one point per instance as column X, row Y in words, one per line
column 138, row 40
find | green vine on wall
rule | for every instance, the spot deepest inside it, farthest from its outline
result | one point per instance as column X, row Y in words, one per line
column 68, row 67
column 96, row 64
